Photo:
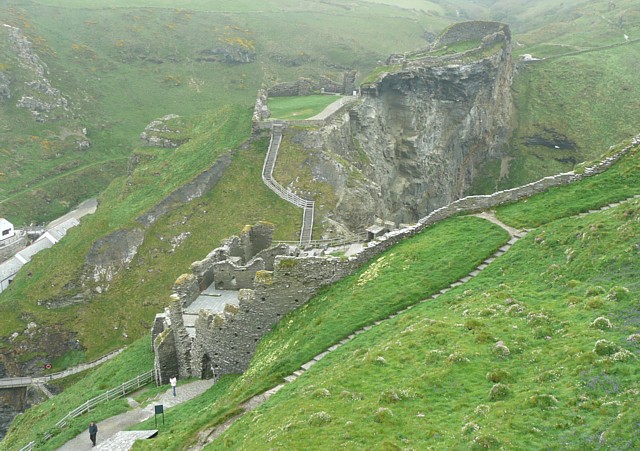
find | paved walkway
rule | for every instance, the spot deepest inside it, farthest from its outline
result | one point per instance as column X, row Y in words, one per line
column 87, row 207
column 108, row 429
column 332, row 108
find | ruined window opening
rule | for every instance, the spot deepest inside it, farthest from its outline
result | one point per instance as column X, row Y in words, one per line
column 207, row 368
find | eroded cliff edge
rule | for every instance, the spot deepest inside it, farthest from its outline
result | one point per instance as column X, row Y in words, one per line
column 420, row 131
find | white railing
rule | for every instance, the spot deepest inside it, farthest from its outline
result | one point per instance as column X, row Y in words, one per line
column 308, row 206
column 114, row 393
column 14, row 382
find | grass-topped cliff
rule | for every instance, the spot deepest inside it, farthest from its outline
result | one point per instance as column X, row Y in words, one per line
column 122, row 67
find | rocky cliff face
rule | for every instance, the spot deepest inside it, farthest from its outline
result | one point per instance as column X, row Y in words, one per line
column 417, row 137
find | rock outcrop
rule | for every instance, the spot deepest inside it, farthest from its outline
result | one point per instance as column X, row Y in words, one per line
column 43, row 100
column 231, row 54
column 423, row 126
column 169, row 132
column 5, row 87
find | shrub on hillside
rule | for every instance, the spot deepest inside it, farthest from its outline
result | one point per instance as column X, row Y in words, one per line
column 319, row 418
column 482, row 410
column 457, row 357
column 499, row 391
column 618, row 294
column 501, row 350
column 382, row 415
column 595, row 291
column 601, row 323
column 605, row 347
column 544, row 401
column 498, row 375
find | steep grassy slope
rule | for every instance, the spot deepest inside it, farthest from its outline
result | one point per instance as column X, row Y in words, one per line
column 122, row 65
column 539, row 349
column 108, row 322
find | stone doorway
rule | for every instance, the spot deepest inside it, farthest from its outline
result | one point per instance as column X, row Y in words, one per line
column 207, row 368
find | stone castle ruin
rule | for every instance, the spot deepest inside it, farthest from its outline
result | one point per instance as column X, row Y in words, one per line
column 221, row 309
column 233, row 297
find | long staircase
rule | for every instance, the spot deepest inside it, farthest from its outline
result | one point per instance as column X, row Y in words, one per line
column 307, row 206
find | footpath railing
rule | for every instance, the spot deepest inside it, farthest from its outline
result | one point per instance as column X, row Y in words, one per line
column 267, row 177
column 15, row 382
column 114, row 393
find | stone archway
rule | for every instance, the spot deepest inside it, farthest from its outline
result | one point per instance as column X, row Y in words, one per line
column 207, row 368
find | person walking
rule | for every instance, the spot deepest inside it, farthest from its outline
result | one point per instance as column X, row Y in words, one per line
column 93, row 432
column 173, row 381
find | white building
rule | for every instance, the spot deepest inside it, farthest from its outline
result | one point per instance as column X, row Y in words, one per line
column 10, row 268
column 6, row 229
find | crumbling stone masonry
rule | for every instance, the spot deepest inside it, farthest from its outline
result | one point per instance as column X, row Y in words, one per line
column 225, row 339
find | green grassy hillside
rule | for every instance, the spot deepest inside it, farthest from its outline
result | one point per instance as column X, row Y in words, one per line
column 520, row 356
column 145, row 286
column 538, row 350
column 123, row 65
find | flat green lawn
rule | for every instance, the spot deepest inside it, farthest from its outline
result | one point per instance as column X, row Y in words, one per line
column 299, row 107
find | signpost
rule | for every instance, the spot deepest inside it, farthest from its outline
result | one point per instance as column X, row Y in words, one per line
column 159, row 410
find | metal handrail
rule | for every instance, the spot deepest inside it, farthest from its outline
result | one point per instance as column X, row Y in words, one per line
column 308, row 206
column 114, row 393
column 25, row 381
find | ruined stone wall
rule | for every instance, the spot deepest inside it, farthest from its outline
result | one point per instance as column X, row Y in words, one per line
column 166, row 363
column 305, row 86
column 229, row 340
column 261, row 108
column 182, row 340
column 229, row 276
column 256, row 238
column 269, row 255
